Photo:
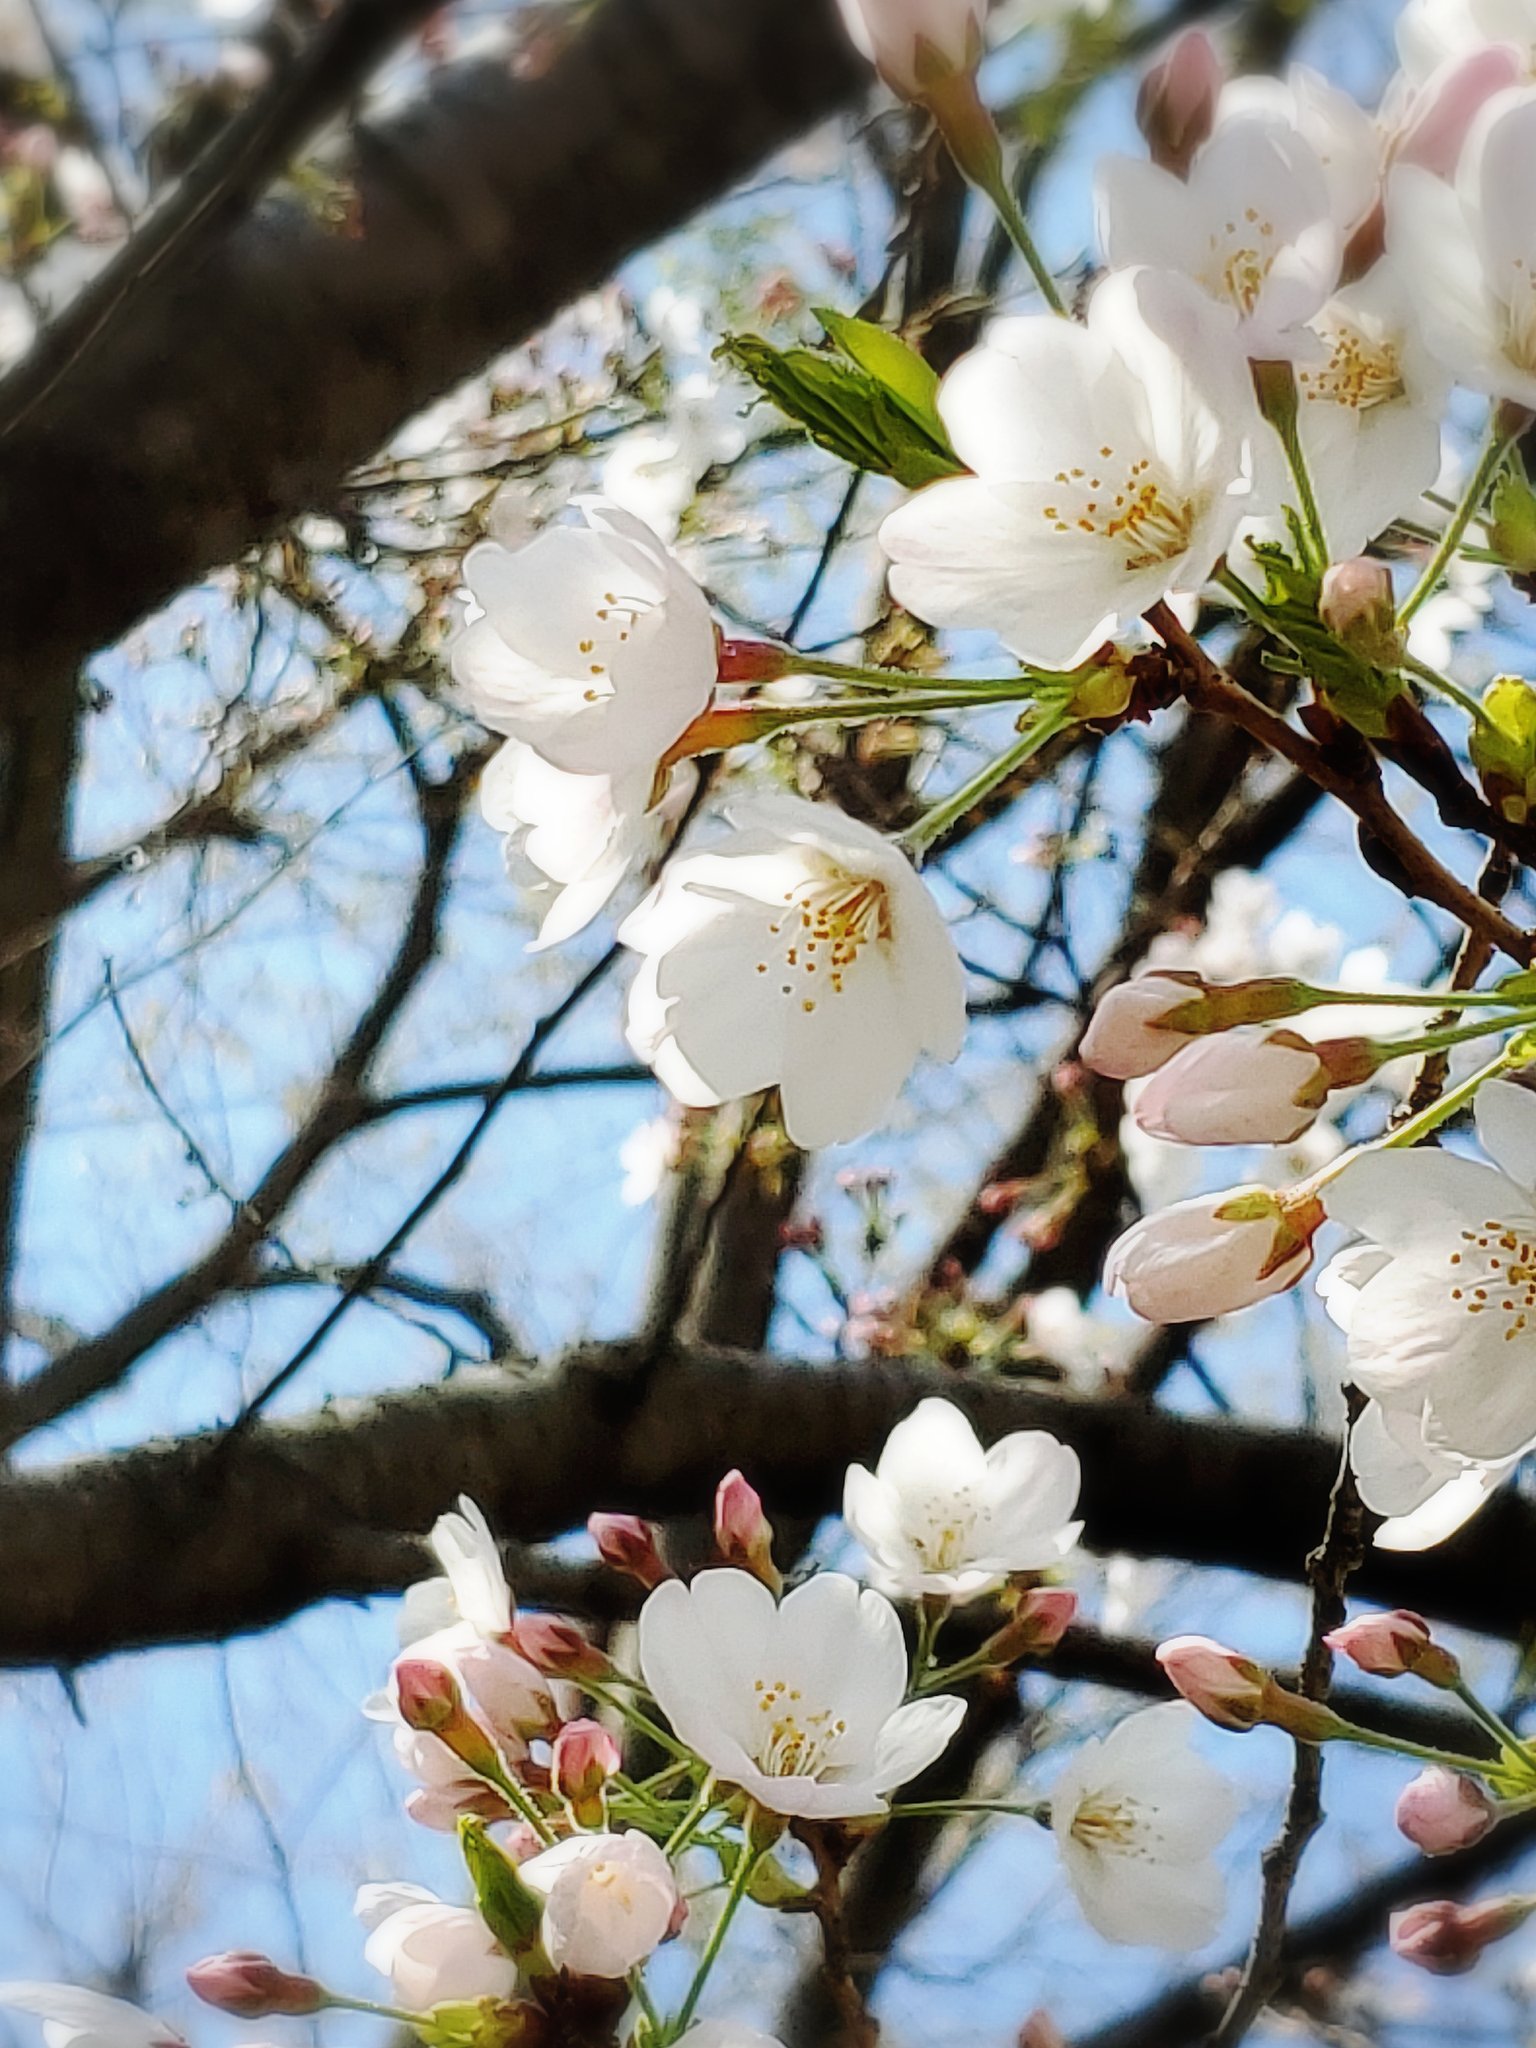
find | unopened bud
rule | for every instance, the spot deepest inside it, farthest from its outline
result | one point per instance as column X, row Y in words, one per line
column 252, row 1987
column 1176, row 106
column 743, row 1533
column 1447, row 1939
column 1442, row 1811
column 558, row 1648
column 1502, row 744
column 583, row 1759
column 428, row 1697
column 1041, row 1617
column 630, row 1546
column 1228, row 1689
column 1395, row 1645
column 1358, row 607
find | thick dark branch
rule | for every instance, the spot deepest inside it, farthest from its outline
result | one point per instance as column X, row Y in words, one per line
column 208, row 1537
column 231, row 399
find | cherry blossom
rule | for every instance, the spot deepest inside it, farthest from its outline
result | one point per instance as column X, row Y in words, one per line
column 1111, row 465
column 473, row 1588
column 1235, row 1088
column 74, row 2018
column 432, row 1953
column 595, row 646
column 1471, row 251
column 1431, row 32
column 939, row 1515
column 1136, row 1817
column 804, row 954
column 1442, row 1326
column 798, row 1702
column 1213, row 1254
column 1252, row 226
column 1129, row 1033
column 584, row 833
column 1442, row 1811
column 608, row 1901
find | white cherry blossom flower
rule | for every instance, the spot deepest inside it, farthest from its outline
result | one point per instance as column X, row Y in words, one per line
column 939, row 1515
column 1341, row 135
column 1252, row 226
column 1111, row 463
column 1470, row 249
column 432, row 1953
column 798, row 1702
column 75, row 2018
column 805, row 954
column 473, row 1588
column 608, row 1901
column 585, row 833
column 1444, row 1326
column 595, row 646
column 1136, row 1817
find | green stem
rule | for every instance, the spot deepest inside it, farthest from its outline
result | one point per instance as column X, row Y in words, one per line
column 921, row 704
column 1245, row 595
column 683, row 1833
column 640, row 1992
column 1496, row 1726
column 1447, row 688
column 741, row 1877
column 600, row 1689
column 1458, row 1034
column 930, row 1619
column 517, row 1798
column 1277, row 392
column 1002, row 197
column 1025, row 683
column 337, row 2002
column 938, row 818
column 1427, row 1120
column 1394, row 1745
column 1472, row 497
column 924, row 1809
column 977, row 148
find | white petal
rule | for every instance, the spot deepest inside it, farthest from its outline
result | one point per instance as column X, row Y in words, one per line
column 1506, row 1129
column 914, row 1737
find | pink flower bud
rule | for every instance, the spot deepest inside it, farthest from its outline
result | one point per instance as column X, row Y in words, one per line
column 430, row 1702
column 1447, row 1939
column 557, row 1647
column 1229, row 1689
column 252, row 1987
column 1128, row 1034
column 1433, row 126
column 631, row 1546
column 743, row 1533
column 1176, row 106
column 1214, row 1254
column 1237, row 1088
column 1041, row 1617
column 1041, row 2031
column 585, row 1756
column 1357, row 606
column 915, row 48
column 1441, row 1811
column 1393, row 1645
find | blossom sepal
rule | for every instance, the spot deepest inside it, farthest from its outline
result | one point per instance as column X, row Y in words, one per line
column 512, row 1912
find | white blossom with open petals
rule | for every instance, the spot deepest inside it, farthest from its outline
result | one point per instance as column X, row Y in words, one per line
column 473, row 1588
column 595, row 646
column 608, row 1901
column 940, row 1515
column 1111, row 461
column 1136, row 1817
column 804, row 954
column 1342, row 136
column 1470, row 249
column 432, row 1953
column 1442, row 1326
column 1253, row 226
column 75, row 2018
column 798, row 1702
column 584, row 833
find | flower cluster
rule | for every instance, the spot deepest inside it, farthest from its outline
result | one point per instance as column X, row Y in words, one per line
column 773, row 1713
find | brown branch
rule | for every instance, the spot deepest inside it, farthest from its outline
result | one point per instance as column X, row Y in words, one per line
column 1357, row 785
column 173, row 1542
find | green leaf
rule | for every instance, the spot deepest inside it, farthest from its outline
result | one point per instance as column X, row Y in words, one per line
column 512, row 1912
column 846, row 410
column 913, row 383
column 1512, row 525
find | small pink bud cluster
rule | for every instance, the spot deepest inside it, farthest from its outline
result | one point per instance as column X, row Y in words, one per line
column 558, row 1648
column 1448, row 1939
column 1041, row 1617
column 252, row 1987
column 1176, row 106
column 584, row 1757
